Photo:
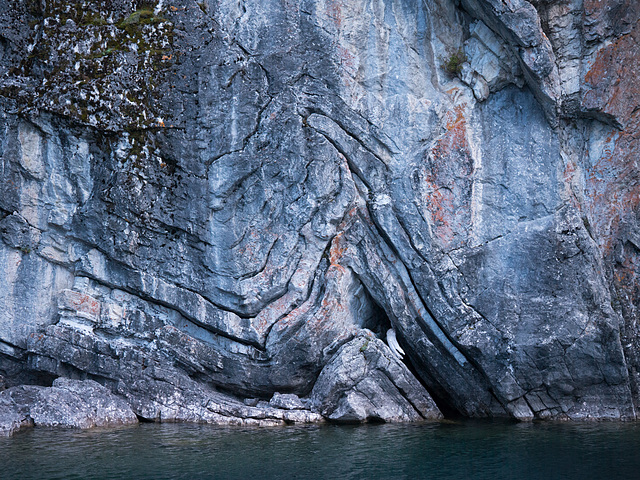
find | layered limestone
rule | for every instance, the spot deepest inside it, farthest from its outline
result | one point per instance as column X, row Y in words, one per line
column 218, row 209
column 67, row 403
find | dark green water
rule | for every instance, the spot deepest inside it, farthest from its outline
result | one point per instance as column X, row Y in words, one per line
column 465, row 450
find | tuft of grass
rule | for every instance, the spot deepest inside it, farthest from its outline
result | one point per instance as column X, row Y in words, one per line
column 142, row 16
column 94, row 19
column 453, row 63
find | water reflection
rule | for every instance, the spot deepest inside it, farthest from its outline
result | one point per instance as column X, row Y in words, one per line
column 456, row 450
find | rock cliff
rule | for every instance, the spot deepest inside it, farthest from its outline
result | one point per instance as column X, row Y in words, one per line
column 218, row 209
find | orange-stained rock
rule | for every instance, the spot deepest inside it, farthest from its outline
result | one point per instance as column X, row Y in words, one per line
column 612, row 82
column 448, row 182
column 83, row 305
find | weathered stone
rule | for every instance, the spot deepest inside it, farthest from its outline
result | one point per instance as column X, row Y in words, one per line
column 81, row 305
column 12, row 417
column 11, row 421
column 68, row 403
column 79, row 404
column 518, row 23
column 17, row 233
column 209, row 197
column 288, row 401
column 490, row 65
column 365, row 381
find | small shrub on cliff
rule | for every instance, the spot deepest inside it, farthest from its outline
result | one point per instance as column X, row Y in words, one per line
column 453, row 63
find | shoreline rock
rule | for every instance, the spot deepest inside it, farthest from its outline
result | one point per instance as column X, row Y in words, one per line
column 68, row 403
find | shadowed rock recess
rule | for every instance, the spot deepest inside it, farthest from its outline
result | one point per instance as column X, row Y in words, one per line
column 217, row 210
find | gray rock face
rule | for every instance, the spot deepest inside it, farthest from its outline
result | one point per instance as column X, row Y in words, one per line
column 288, row 401
column 366, row 382
column 12, row 419
column 211, row 206
column 68, row 403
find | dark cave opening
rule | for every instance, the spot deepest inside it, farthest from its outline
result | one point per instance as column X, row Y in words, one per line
column 14, row 372
column 438, row 395
column 376, row 319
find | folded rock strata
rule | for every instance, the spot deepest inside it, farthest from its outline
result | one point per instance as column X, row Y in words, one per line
column 209, row 208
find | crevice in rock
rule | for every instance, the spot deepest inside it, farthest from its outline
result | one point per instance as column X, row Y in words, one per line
column 379, row 323
column 441, row 334
column 246, row 139
column 454, row 348
column 368, row 141
column 429, row 325
column 14, row 372
column 147, row 297
column 67, row 370
column 142, row 419
column 353, row 168
column 377, row 320
column 442, row 402
column 10, row 350
column 316, row 288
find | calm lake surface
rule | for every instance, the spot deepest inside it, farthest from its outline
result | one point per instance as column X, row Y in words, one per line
column 456, row 450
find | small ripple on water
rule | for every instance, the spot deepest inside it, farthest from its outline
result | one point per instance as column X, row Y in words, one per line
column 457, row 450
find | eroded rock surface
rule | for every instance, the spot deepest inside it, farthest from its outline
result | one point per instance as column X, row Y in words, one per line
column 68, row 403
column 366, row 382
column 207, row 206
